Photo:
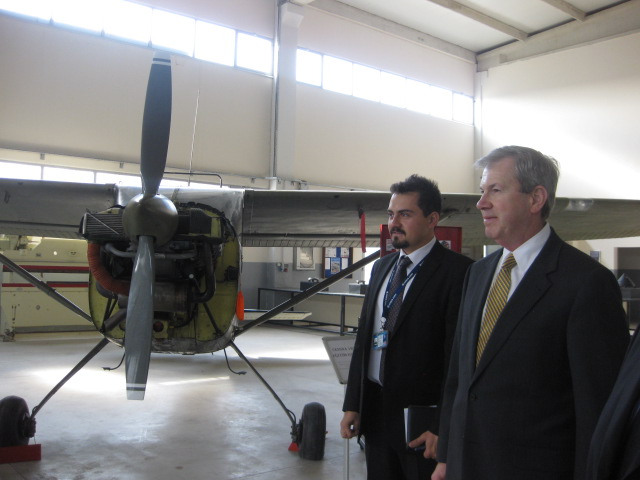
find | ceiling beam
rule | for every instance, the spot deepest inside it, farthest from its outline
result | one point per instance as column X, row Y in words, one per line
column 343, row 10
column 623, row 19
column 567, row 8
column 482, row 18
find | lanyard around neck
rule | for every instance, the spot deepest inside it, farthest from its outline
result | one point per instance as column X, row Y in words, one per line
column 387, row 302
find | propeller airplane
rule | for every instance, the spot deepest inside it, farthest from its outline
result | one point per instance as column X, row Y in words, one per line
column 165, row 263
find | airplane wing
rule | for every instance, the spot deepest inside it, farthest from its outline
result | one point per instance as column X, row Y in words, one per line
column 323, row 218
column 49, row 209
column 311, row 218
column 296, row 217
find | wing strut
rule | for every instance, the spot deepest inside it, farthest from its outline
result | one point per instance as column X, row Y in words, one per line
column 309, row 292
column 44, row 287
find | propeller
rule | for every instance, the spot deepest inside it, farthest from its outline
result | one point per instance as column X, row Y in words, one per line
column 149, row 220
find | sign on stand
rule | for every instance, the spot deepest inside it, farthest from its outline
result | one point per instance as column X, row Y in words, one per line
column 340, row 350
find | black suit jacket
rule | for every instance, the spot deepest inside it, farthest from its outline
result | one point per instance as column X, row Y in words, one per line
column 417, row 355
column 527, row 412
column 615, row 446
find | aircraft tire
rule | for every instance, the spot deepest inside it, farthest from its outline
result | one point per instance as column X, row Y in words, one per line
column 312, row 431
column 14, row 422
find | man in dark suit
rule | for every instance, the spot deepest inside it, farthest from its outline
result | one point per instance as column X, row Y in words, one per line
column 615, row 446
column 404, row 336
column 522, row 400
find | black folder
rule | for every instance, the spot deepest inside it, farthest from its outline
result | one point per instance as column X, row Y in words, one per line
column 417, row 420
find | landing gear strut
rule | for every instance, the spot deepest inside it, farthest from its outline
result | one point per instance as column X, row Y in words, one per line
column 307, row 435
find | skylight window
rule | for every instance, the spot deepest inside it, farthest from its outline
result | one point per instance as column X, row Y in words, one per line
column 462, row 108
column 441, row 102
column 254, row 53
column 133, row 22
column 393, row 90
column 83, row 14
column 366, row 82
column 20, row 171
column 118, row 178
column 337, row 75
column 127, row 21
column 418, row 96
column 67, row 175
column 172, row 32
column 215, row 43
column 309, row 67
column 38, row 9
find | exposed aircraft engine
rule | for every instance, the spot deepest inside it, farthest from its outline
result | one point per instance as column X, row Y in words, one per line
column 197, row 265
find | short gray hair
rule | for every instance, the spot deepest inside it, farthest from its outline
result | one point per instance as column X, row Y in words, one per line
column 532, row 169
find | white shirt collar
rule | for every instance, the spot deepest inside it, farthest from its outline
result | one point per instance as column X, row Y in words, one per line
column 417, row 255
column 526, row 253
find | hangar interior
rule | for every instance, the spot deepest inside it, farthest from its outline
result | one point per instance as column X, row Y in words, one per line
column 561, row 80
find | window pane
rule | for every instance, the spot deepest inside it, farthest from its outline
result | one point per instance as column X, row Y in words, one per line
column 393, row 90
column 169, row 182
column 366, row 82
column 20, row 170
column 441, row 102
column 462, row 108
column 255, row 53
column 129, row 21
column 84, row 14
column 309, row 67
column 337, row 75
column 67, row 175
column 40, row 9
column 215, row 43
column 207, row 185
column 173, row 32
column 418, row 95
column 118, row 178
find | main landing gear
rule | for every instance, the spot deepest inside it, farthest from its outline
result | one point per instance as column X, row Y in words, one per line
column 307, row 435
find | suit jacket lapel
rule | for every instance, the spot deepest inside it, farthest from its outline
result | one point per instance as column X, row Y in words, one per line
column 532, row 287
column 377, row 284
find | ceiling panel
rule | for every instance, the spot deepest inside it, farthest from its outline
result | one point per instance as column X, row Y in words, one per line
column 449, row 20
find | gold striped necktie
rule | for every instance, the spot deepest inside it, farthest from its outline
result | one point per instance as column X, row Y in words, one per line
column 496, row 300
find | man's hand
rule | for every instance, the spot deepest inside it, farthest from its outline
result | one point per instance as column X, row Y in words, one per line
column 440, row 473
column 430, row 442
column 350, row 424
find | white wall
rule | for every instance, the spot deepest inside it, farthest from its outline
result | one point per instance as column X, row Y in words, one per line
column 68, row 93
column 581, row 107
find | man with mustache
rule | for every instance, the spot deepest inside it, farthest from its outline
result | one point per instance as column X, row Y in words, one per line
column 404, row 337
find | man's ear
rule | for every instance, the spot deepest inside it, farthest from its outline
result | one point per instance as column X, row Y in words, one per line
column 434, row 218
column 539, row 197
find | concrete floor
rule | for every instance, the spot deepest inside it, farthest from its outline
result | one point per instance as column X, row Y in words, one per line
column 198, row 420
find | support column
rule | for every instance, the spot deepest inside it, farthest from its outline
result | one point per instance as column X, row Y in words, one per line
column 284, row 95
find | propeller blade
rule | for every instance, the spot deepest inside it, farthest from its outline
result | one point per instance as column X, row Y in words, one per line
column 156, row 124
column 137, row 346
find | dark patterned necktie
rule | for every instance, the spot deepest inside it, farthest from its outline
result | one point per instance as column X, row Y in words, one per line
column 392, row 316
column 394, row 284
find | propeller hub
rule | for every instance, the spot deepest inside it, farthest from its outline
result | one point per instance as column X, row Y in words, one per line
column 155, row 216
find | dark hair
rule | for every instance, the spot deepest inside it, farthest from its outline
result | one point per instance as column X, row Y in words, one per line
column 429, row 199
column 532, row 169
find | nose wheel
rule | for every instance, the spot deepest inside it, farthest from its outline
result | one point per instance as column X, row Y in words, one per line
column 16, row 425
column 311, row 432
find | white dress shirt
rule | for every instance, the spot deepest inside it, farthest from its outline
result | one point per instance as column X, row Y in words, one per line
column 416, row 257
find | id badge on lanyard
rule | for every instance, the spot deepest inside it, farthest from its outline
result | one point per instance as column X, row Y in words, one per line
column 380, row 339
